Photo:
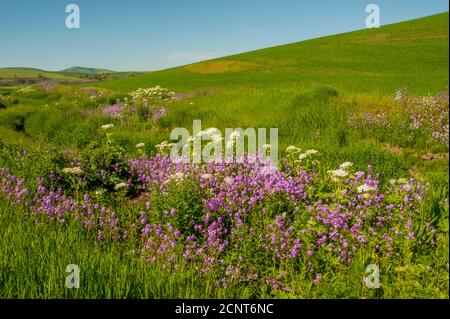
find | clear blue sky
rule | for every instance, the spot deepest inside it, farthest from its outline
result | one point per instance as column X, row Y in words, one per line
column 155, row 34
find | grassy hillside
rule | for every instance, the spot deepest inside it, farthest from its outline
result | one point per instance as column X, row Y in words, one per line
column 22, row 76
column 70, row 74
column 412, row 54
column 8, row 73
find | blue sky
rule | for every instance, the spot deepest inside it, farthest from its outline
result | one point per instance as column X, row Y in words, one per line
column 155, row 34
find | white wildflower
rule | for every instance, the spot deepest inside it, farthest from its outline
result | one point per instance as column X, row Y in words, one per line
column 212, row 132
column 232, row 139
column 163, row 145
column 406, row 187
column 303, row 156
column 346, row 165
column 140, row 145
column 107, row 126
column 100, row 191
column 311, row 152
column 228, row 180
column 73, row 170
column 308, row 153
column 293, row 149
column 120, row 186
column 338, row 173
column 199, row 135
column 365, row 188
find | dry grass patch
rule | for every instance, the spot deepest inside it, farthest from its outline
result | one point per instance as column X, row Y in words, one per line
column 226, row 66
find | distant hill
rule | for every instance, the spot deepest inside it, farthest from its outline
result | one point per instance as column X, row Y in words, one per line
column 83, row 70
column 20, row 72
column 28, row 76
column 412, row 54
column 26, row 69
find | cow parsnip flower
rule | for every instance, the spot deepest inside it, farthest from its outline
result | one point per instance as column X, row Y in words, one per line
column 107, row 126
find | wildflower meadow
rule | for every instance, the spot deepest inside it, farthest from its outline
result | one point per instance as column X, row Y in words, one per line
column 355, row 204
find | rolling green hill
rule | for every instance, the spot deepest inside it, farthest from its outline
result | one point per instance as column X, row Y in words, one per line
column 412, row 54
column 70, row 74
column 83, row 70
column 8, row 73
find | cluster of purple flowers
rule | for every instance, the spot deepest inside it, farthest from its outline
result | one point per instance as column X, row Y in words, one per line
column 55, row 206
column 428, row 114
column 369, row 119
column 158, row 113
column 281, row 238
column 353, row 215
column 288, row 216
column 13, row 188
column 116, row 111
column 92, row 216
column 123, row 112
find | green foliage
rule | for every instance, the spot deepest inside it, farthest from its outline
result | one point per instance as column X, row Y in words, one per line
column 104, row 167
column 180, row 204
column 6, row 100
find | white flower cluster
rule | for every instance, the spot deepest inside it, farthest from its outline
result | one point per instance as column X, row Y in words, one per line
column 163, row 146
column 346, row 165
column 212, row 134
column 107, row 126
column 306, row 159
column 157, row 93
column 120, row 186
column 339, row 173
column 234, row 136
column 308, row 153
column 293, row 149
column 342, row 171
column 73, row 170
column 100, row 191
column 364, row 188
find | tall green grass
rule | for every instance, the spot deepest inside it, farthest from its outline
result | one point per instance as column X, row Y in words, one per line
column 34, row 257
